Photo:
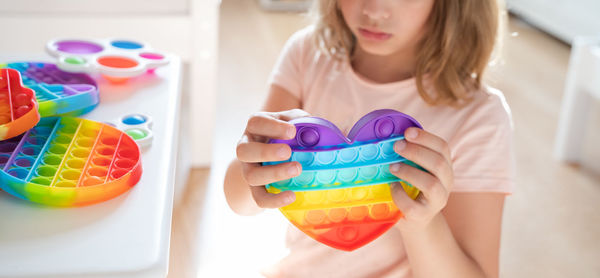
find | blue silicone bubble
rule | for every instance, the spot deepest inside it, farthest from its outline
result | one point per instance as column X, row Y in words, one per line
column 134, row 119
column 126, row 44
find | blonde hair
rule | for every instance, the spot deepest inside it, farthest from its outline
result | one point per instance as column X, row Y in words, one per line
column 460, row 39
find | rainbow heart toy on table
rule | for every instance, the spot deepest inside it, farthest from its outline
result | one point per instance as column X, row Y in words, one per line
column 58, row 93
column 343, row 197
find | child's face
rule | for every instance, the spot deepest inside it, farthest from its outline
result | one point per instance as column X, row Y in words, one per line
column 384, row 27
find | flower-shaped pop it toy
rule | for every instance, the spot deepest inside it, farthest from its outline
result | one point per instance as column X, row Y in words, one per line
column 343, row 198
column 116, row 59
column 18, row 107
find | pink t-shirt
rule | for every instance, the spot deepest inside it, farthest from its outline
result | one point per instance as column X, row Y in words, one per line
column 479, row 135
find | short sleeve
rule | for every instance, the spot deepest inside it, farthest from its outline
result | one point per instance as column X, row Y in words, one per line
column 289, row 70
column 482, row 148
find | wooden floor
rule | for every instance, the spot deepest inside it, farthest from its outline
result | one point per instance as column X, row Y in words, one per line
column 551, row 222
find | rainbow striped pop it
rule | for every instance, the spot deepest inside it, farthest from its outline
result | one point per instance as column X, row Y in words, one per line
column 66, row 161
column 58, row 93
column 343, row 198
column 18, row 108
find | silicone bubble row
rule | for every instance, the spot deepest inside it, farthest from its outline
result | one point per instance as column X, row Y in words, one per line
column 19, row 153
column 56, row 91
column 357, row 214
column 70, row 152
column 336, row 198
column 36, row 73
column 381, row 152
column 359, row 204
column 340, row 178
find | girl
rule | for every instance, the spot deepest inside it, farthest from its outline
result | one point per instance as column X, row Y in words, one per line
column 424, row 58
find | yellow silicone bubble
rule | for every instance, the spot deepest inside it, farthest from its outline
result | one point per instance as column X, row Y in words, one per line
column 72, row 175
column 65, row 184
column 80, row 153
column 359, row 193
column 75, row 163
column 84, row 142
column 89, row 132
column 336, row 195
column 314, row 197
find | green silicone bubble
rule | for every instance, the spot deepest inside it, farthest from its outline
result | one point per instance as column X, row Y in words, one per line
column 75, row 60
column 136, row 133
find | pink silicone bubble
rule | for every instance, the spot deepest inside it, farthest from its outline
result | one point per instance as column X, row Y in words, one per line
column 78, row 47
column 152, row 56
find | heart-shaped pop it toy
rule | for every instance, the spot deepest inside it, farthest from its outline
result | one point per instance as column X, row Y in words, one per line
column 66, row 161
column 58, row 92
column 18, row 107
column 343, row 197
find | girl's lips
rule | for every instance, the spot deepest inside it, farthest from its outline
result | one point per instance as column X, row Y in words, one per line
column 378, row 36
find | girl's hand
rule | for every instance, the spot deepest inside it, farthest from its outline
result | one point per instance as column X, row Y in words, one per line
column 252, row 150
column 432, row 153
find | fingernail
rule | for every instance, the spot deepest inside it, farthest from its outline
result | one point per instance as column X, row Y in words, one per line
column 291, row 131
column 293, row 170
column 400, row 145
column 282, row 152
column 290, row 198
column 395, row 167
column 411, row 133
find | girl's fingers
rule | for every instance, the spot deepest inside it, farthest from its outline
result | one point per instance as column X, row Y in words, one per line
column 266, row 125
column 289, row 115
column 404, row 203
column 430, row 186
column 431, row 160
column 251, row 152
column 257, row 175
column 265, row 199
column 428, row 140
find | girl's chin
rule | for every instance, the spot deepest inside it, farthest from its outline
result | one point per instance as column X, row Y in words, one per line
column 378, row 49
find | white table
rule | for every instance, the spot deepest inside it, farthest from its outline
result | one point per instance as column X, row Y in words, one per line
column 582, row 87
column 126, row 236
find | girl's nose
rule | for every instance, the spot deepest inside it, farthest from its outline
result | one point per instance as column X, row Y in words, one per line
column 375, row 10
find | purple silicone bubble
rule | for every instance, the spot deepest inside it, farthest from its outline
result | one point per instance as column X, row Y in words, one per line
column 50, row 74
column 16, row 149
column 79, row 89
column 314, row 134
column 78, row 47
